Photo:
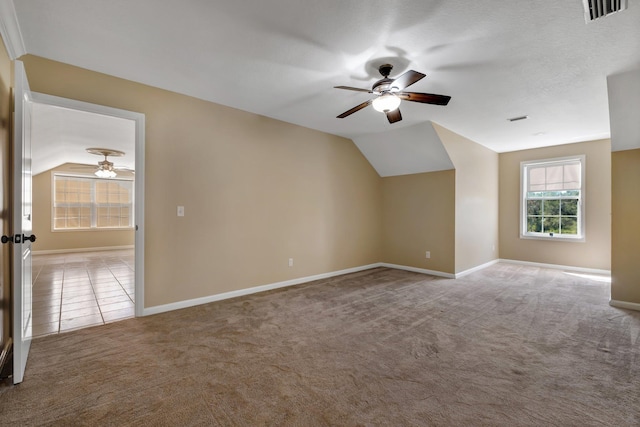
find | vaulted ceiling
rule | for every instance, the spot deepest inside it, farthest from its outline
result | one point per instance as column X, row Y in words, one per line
column 61, row 135
column 281, row 59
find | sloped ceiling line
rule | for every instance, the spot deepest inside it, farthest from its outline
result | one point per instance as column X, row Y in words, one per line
column 414, row 149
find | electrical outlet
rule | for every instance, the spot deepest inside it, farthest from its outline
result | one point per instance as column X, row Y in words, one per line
column 290, row 262
column 427, row 254
column 180, row 210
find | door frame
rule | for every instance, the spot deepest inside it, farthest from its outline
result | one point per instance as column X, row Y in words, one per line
column 139, row 119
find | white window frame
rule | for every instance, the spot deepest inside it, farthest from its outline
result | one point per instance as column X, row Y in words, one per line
column 93, row 203
column 524, row 166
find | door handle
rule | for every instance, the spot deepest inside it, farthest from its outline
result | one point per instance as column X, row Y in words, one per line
column 19, row 238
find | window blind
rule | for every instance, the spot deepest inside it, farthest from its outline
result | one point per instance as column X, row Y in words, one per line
column 554, row 177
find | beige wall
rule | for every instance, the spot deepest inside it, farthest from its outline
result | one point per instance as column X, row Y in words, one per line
column 418, row 215
column 256, row 191
column 476, row 202
column 6, row 75
column 66, row 240
column 595, row 252
column 625, row 230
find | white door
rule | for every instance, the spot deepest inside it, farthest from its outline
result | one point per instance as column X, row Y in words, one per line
column 22, row 237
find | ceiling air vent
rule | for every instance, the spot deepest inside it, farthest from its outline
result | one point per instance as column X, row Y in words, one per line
column 594, row 9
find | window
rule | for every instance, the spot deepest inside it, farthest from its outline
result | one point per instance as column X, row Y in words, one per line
column 82, row 203
column 553, row 199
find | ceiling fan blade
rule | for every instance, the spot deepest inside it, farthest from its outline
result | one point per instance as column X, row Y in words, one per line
column 425, row 98
column 407, row 79
column 353, row 88
column 354, row 109
column 394, row 116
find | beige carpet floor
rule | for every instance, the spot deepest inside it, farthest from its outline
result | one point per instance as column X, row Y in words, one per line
column 506, row 346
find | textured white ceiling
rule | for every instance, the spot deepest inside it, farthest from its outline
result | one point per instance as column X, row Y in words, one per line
column 281, row 58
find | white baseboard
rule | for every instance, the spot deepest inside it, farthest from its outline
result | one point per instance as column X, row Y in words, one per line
column 476, row 268
column 77, row 250
column 418, row 270
column 624, row 304
column 147, row 311
column 557, row 266
column 248, row 291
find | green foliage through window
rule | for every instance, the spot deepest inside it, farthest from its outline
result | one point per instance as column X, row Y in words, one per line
column 557, row 216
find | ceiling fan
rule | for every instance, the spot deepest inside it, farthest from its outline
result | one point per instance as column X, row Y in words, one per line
column 390, row 92
column 105, row 168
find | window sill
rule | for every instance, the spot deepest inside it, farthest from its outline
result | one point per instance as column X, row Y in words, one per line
column 74, row 230
column 553, row 238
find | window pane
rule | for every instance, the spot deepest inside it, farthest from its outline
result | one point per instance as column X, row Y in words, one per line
column 537, row 180
column 551, row 207
column 534, row 207
column 534, row 224
column 101, row 192
column 569, row 207
column 551, row 191
column 569, row 225
column 84, row 197
column 555, row 186
column 572, row 176
column 91, row 202
column 554, row 176
column 551, row 225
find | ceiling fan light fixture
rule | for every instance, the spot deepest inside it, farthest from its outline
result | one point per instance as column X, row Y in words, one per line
column 103, row 173
column 388, row 94
column 386, row 102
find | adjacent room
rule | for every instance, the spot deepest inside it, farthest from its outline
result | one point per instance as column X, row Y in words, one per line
column 361, row 213
column 83, row 203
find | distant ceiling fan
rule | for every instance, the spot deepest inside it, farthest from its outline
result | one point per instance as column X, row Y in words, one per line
column 390, row 92
column 105, row 168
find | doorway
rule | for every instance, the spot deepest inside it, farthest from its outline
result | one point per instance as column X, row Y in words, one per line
column 89, row 268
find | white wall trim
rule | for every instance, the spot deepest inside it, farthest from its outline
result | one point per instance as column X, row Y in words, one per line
column 624, row 304
column 78, row 250
column 418, row 270
column 147, row 311
column 248, row 291
column 557, row 266
column 10, row 30
column 476, row 268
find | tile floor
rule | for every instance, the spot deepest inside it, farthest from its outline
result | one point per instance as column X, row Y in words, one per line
column 72, row 291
